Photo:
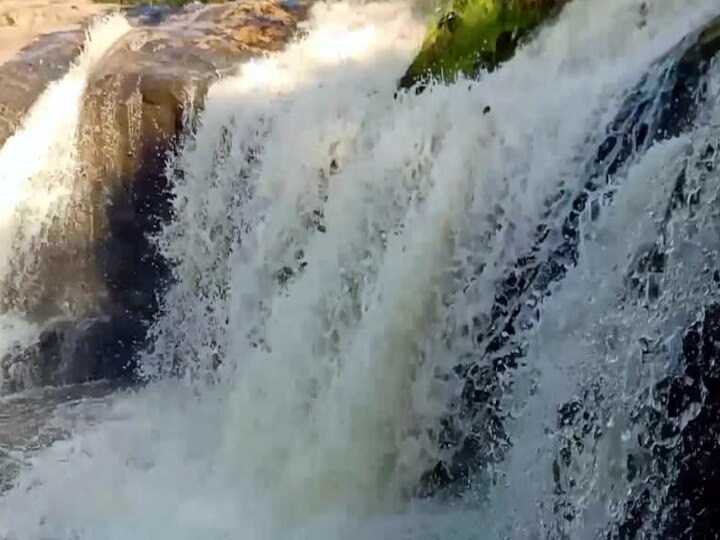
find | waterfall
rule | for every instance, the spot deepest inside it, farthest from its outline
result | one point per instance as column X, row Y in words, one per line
column 38, row 173
column 336, row 251
column 37, row 162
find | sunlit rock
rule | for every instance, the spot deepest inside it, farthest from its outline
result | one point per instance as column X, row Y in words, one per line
column 98, row 267
column 26, row 75
column 471, row 35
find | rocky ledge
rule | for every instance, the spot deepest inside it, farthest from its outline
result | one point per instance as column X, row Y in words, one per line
column 473, row 35
column 96, row 287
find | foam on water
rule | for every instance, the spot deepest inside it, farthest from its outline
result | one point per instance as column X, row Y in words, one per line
column 38, row 163
column 38, row 167
column 327, row 243
column 16, row 333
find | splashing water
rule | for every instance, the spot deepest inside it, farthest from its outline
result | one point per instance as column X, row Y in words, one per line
column 333, row 243
column 38, row 172
column 37, row 163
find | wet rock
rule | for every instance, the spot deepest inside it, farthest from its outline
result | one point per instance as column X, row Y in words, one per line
column 150, row 15
column 100, row 267
column 24, row 368
column 694, row 493
column 23, row 78
column 133, row 116
column 673, row 474
column 679, row 496
column 75, row 351
column 472, row 35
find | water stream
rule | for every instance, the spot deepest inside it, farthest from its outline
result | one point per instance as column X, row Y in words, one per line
column 337, row 250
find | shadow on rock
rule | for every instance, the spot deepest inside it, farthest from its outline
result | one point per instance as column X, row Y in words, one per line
column 97, row 284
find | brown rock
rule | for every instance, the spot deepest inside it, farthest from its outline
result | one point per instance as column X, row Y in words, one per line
column 24, row 78
column 132, row 117
column 98, row 264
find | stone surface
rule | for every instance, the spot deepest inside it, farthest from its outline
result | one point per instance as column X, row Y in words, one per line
column 25, row 76
column 99, row 265
column 470, row 35
column 22, row 21
column 133, row 115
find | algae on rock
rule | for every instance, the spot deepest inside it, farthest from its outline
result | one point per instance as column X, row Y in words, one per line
column 476, row 34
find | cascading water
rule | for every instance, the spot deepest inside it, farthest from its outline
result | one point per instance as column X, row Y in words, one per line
column 38, row 173
column 337, row 251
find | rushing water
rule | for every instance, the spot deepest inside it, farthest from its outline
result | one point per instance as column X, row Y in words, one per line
column 333, row 243
column 37, row 173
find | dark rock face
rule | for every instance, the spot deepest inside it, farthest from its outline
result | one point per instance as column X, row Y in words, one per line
column 646, row 117
column 100, row 265
column 684, row 455
column 694, row 495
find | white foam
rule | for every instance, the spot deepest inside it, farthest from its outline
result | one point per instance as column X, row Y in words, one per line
column 37, row 164
column 317, row 424
column 16, row 333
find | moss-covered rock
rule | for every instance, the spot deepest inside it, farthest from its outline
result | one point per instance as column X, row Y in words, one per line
column 470, row 35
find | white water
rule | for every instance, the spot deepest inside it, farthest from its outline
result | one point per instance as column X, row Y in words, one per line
column 38, row 167
column 318, row 423
column 38, row 162
column 16, row 333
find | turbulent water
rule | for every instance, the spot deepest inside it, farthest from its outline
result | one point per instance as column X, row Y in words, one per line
column 38, row 168
column 333, row 243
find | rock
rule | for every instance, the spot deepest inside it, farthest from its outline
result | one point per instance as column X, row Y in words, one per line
column 23, row 21
column 693, row 496
column 23, row 78
column 100, row 268
column 680, row 468
column 73, row 352
column 680, row 446
column 472, row 35
column 133, row 116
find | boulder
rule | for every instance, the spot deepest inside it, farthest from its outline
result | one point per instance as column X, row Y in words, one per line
column 25, row 76
column 99, row 268
column 133, row 116
column 470, row 35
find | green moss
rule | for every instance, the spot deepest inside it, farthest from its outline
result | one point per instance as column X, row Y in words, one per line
column 470, row 35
